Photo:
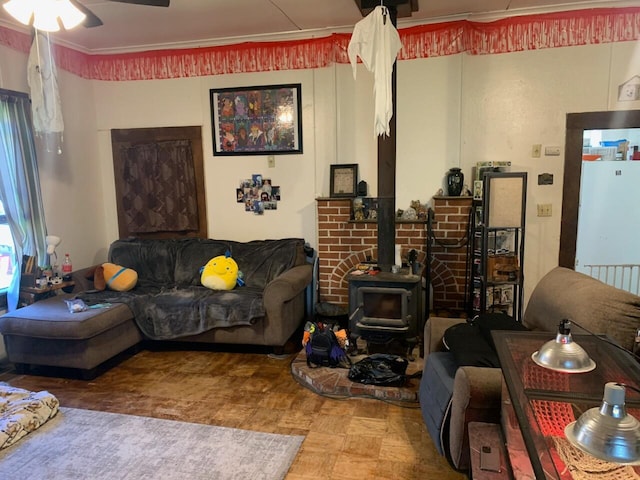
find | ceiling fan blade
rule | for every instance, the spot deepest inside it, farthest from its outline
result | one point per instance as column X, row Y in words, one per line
column 92, row 20
column 150, row 3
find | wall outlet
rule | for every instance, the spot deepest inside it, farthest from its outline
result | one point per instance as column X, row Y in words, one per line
column 536, row 150
column 545, row 210
column 271, row 161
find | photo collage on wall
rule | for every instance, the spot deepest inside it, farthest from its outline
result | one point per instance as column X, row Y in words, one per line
column 258, row 194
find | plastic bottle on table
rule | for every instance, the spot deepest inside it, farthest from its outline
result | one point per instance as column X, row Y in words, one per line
column 67, row 268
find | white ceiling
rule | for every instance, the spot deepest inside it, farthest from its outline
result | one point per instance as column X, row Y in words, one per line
column 190, row 23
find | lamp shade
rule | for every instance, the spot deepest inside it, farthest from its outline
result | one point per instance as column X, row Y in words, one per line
column 608, row 432
column 52, row 242
column 563, row 354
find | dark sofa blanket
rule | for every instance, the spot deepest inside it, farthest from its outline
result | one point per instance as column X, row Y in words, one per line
column 169, row 300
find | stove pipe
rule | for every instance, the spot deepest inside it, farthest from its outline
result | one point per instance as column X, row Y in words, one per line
column 387, row 179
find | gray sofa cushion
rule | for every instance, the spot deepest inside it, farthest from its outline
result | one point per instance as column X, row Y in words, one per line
column 51, row 318
column 263, row 260
column 153, row 260
column 193, row 255
column 564, row 293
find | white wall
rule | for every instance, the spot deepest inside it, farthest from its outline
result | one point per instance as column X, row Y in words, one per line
column 452, row 111
column 512, row 101
column 71, row 182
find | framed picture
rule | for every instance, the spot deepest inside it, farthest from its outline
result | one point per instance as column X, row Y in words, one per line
column 256, row 120
column 344, row 179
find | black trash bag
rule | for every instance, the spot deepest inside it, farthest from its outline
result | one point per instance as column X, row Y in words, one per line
column 380, row 369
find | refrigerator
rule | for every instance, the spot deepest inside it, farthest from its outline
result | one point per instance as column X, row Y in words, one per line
column 609, row 223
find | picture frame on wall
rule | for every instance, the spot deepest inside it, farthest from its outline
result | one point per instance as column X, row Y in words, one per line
column 344, row 180
column 256, row 120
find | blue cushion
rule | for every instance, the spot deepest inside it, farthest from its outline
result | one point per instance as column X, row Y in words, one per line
column 436, row 390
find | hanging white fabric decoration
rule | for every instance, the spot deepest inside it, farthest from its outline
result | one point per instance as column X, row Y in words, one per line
column 377, row 42
column 42, row 77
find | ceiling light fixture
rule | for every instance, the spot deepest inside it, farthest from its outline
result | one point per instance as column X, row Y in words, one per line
column 45, row 13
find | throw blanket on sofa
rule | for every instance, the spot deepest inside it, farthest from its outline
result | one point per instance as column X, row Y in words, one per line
column 166, row 313
column 169, row 300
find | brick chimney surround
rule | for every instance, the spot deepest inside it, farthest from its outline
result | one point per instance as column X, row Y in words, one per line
column 344, row 243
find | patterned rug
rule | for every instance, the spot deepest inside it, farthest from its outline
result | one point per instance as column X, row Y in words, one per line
column 334, row 381
column 84, row 444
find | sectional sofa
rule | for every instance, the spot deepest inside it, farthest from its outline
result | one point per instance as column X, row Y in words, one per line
column 168, row 303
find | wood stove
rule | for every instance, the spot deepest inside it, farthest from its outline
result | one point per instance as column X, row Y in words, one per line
column 385, row 307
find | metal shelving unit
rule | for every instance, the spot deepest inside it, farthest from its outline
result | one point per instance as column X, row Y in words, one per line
column 498, row 245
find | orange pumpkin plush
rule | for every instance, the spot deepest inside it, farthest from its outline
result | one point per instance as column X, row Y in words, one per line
column 118, row 278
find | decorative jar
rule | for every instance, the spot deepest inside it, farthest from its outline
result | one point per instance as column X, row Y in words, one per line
column 455, row 180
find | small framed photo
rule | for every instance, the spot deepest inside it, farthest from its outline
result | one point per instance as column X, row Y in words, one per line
column 477, row 189
column 344, row 180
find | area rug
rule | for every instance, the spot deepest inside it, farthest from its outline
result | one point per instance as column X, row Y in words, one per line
column 333, row 382
column 85, row 444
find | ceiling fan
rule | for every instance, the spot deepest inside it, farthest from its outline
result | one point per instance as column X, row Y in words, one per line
column 92, row 19
column 46, row 15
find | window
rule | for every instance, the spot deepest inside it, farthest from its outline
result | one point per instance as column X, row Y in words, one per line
column 6, row 252
column 20, row 191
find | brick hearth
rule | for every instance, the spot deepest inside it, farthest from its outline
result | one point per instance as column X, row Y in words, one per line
column 344, row 243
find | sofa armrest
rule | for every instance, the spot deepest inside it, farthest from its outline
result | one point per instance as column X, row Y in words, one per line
column 287, row 285
column 83, row 279
column 476, row 398
column 434, row 331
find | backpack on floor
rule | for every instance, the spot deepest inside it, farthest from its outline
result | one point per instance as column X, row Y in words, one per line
column 323, row 348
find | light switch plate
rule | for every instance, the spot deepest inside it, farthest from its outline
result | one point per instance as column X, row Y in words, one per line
column 551, row 151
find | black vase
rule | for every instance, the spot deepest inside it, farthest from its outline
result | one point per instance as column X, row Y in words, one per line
column 455, row 180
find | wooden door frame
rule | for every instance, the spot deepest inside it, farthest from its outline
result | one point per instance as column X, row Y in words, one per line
column 576, row 125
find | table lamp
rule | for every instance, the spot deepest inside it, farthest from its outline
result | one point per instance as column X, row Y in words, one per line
column 52, row 242
column 563, row 354
column 608, row 432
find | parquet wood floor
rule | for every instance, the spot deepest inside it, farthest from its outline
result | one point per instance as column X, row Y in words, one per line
column 345, row 439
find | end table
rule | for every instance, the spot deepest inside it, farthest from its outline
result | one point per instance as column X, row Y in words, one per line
column 30, row 295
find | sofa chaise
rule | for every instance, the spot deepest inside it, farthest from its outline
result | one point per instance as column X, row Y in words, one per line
column 464, row 394
column 168, row 303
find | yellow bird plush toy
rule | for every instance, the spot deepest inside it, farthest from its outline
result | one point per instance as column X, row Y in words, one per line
column 221, row 273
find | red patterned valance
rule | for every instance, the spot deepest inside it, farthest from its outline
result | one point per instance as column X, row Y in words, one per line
column 514, row 34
